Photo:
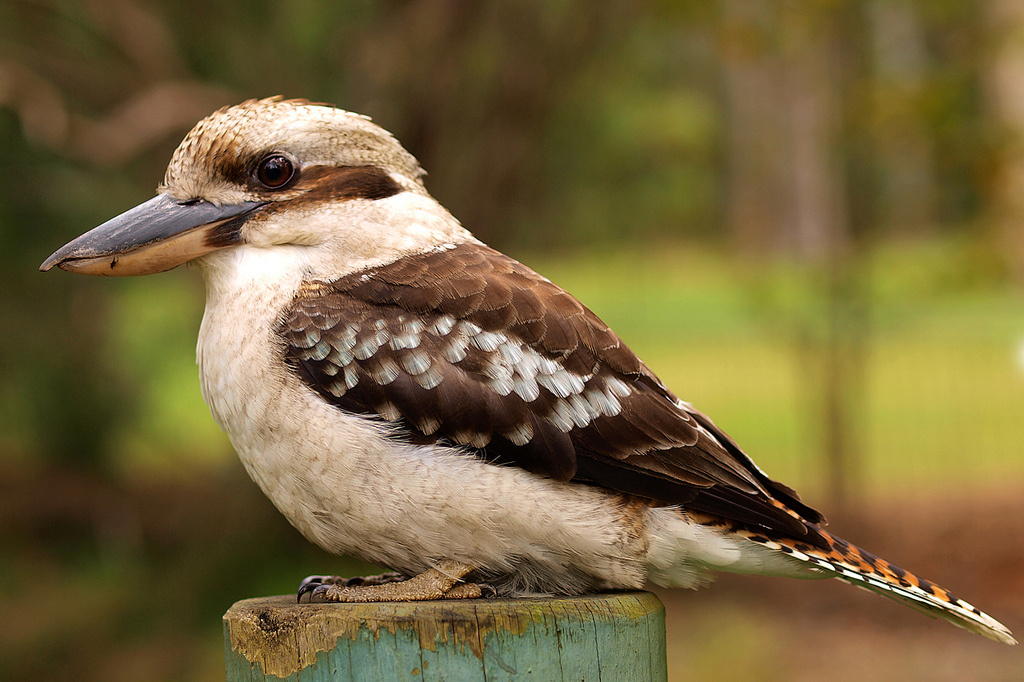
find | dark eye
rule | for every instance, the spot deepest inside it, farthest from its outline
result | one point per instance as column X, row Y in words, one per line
column 275, row 171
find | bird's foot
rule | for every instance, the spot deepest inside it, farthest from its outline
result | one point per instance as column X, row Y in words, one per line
column 441, row 582
column 313, row 581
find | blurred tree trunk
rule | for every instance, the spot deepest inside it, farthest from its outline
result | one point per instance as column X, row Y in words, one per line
column 1005, row 85
column 821, row 229
column 755, row 149
column 904, row 146
column 816, row 223
column 785, row 167
column 788, row 100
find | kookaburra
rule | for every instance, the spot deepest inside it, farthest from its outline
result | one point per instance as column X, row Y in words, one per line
column 405, row 394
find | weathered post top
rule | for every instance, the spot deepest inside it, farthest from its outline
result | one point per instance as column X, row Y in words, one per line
column 607, row 637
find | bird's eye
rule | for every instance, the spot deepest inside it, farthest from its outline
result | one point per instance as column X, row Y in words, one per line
column 275, row 171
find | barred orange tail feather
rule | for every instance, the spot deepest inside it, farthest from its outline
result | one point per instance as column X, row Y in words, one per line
column 853, row 565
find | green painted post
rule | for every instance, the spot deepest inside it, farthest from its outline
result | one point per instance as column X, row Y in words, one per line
column 606, row 637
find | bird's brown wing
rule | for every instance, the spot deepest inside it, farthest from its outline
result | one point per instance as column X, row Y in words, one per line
column 468, row 345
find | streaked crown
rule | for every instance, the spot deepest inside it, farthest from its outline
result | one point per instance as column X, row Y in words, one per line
column 220, row 154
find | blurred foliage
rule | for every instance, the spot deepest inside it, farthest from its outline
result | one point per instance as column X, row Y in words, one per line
column 807, row 217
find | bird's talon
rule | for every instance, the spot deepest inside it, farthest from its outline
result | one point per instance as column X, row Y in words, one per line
column 312, row 579
column 319, row 594
column 308, row 584
column 318, row 585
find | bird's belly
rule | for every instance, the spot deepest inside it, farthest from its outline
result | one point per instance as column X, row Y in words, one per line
column 350, row 488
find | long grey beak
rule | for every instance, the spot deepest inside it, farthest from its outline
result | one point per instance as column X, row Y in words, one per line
column 152, row 237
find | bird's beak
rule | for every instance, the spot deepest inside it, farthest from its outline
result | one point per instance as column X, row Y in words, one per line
column 152, row 237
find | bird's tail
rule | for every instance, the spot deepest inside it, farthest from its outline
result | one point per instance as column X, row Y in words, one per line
column 853, row 565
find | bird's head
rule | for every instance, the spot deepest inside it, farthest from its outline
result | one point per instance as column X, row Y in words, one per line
column 269, row 173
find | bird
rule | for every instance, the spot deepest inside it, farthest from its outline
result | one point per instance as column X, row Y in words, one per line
column 405, row 394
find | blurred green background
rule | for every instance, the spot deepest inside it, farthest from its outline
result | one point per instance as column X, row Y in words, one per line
column 808, row 218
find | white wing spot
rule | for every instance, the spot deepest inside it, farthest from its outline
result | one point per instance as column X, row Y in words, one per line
column 488, row 342
column 415, row 362
column 521, row 434
column 455, row 351
column 443, row 325
column 388, row 411
column 429, row 379
column 526, row 388
column 385, row 372
column 320, row 351
column 351, row 376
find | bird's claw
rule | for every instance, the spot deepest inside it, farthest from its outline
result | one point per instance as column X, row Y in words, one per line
column 316, row 585
column 446, row 580
column 309, row 584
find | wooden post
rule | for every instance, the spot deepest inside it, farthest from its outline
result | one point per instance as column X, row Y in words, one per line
column 607, row 637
